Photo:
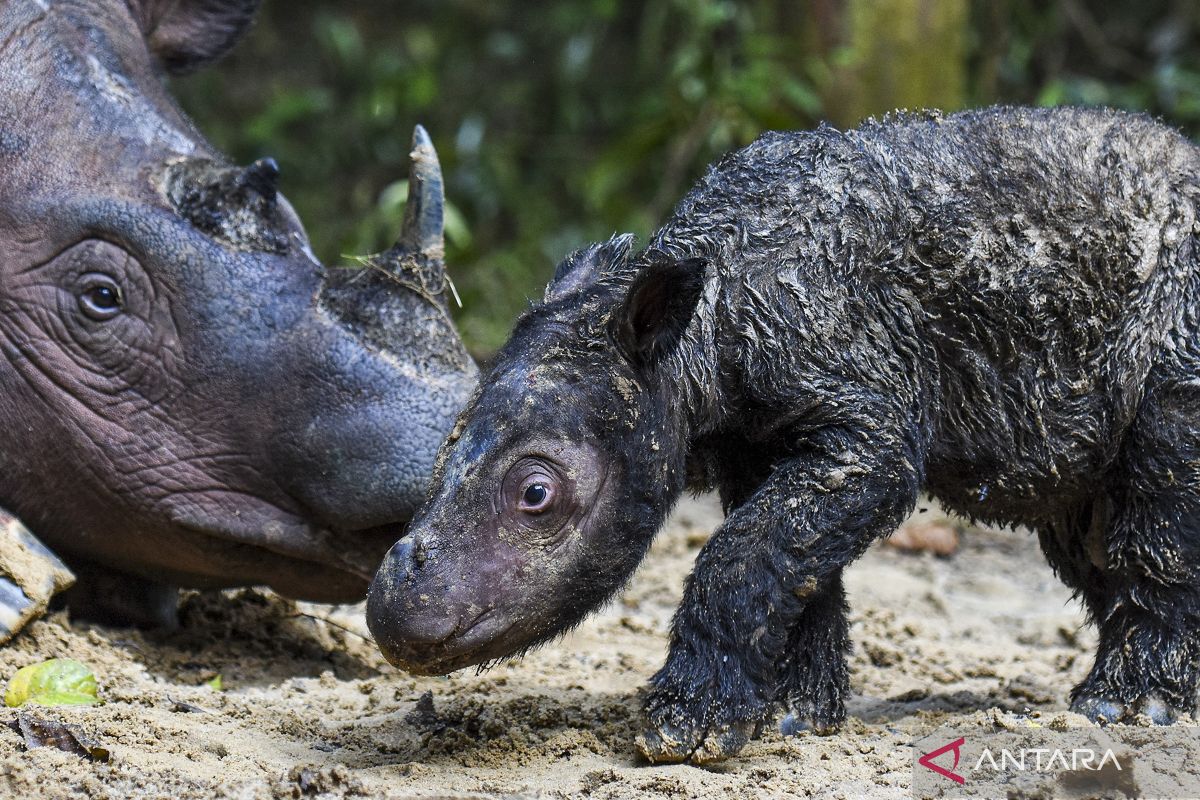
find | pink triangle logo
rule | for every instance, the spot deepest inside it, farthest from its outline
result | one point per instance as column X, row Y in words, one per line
column 927, row 760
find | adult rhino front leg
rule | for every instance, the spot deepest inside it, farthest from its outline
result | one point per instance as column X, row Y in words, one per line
column 113, row 597
column 30, row 575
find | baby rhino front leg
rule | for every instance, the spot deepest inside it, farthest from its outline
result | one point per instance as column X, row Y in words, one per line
column 775, row 564
column 29, row 576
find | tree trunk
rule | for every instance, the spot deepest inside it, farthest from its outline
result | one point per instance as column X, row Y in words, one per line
column 888, row 54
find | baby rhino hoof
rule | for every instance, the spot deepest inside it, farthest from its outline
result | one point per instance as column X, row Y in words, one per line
column 794, row 724
column 1102, row 710
column 671, row 744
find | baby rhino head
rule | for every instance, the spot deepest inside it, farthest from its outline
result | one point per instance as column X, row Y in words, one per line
column 559, row 471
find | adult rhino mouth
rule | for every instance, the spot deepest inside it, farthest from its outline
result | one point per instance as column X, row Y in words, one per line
column 248, row 541
column 327, row 574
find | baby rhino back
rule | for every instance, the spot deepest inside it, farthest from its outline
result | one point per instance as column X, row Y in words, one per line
column 1052, row 252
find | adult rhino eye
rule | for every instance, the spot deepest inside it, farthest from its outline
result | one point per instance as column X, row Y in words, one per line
column 536, row 498
column 100, row 297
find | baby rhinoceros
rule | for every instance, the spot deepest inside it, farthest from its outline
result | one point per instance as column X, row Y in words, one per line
column 1000, row 307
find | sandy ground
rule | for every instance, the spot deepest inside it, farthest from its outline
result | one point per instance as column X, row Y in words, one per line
column 310, row 710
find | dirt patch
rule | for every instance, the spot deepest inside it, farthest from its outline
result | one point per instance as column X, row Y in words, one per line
column 311, row 710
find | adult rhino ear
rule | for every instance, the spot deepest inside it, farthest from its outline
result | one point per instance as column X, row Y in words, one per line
column 584, row 266
column 184, row 35
column 658, row 307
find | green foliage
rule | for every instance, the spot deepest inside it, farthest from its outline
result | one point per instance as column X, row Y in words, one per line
column 560, row 123
column 1140, row 56
column 555, row 124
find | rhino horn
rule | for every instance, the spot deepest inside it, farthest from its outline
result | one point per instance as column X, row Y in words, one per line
column 423, row 214
column 417, row 259
column 262, row 178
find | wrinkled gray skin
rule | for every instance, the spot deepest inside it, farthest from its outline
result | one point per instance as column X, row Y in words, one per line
column 190, row 398
column 1000, row 307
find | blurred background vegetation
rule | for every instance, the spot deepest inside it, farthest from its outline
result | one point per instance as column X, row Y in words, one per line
column 562, row 122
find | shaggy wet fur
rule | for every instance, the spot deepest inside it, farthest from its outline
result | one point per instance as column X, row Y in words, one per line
column 998, row 307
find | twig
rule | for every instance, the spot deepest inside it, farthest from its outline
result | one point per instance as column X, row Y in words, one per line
column 338, row 625
column 418, row 289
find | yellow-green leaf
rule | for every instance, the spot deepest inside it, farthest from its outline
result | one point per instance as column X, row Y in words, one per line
column 57, row 682
column 215, row 684
column 64, row 699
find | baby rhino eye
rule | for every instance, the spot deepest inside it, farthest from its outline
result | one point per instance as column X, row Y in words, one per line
column 531, row 487
column 537, row 496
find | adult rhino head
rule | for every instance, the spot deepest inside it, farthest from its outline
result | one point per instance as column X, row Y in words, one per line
column 187, row 397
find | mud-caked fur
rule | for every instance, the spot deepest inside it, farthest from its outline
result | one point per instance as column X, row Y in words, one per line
column 999, row 307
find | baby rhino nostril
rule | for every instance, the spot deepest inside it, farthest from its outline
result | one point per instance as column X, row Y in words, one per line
column 401, row 558
column 406, row 558
column 397, row 567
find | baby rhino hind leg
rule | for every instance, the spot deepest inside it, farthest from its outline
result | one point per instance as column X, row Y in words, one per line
column 1143, row 587
column 815, row 678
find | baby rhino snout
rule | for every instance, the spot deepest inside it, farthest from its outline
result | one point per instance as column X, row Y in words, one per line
column 406, row 625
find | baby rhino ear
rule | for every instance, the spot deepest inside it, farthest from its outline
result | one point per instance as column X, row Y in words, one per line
column 584, row 266
column 187, row 34
column 661, row 302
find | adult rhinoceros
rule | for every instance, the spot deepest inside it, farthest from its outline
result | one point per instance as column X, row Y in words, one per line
column 188, row 397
